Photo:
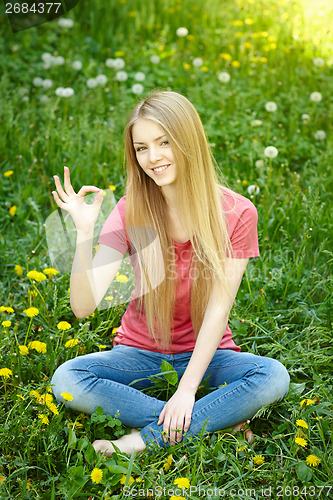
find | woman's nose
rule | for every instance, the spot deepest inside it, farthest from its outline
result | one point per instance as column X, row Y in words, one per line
column 154, row 155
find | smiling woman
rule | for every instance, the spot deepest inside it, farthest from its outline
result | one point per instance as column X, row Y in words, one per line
column 209, row 233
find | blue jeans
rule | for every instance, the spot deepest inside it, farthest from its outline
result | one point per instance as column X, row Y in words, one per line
column 101, row 379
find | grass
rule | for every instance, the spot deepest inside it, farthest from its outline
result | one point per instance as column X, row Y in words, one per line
column 283, row 309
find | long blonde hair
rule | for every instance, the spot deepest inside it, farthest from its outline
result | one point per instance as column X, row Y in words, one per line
column 199, row 202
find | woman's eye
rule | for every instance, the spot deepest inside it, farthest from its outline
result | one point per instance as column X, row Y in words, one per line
column 165, row 142
column 140, row 149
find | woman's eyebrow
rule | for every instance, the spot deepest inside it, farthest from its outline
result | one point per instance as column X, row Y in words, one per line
column 157, row 139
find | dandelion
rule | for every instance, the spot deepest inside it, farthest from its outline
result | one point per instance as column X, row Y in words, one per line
column 301, row 441
column 137, row 88
column 121, row 278
column 6, row 309
column 101, row 79
column 46, row 399
column 47, row 57
column 119, row 63
column 168, row 463
column 37, row 346
column 5, row 372
column 320, row 135
column 301, row 423
column 6, row 323
column 8, row 173
column 67, row 396
column 71, row 343
column 77, row 65
column 64, row 325
column 52, row 407
column 44, row 419
column 271, row 152
column 319, row 62
column 271, row 106
column 176, row 497
column 307, row 402
column 256, row 123
column 312, row 460
column 65, row 22
column 50, row 271
column 12, row 210
column 223, row 77
column 18, row 269
column 35, row 395
column 37, row 82
column 96, row 475
column 305, row 117
column 258, row 459
column 109, row 63
column 58, row 61
column 260, row 163
column 2, row 478
column 36, row 276
column 139, row 76
column 114, row 330
column 316, row 97
column 123, row 480
column 121, row 76
column 241, row 448
column 91, row 83
column 182, row 482
column 102, row 346
column 154, row 59
column 182, row 32
column 225, row 56
column 31, row 312
column 23, row 350
column 237, row 23
column 253, row 189
column 47, row 83
column 197, row 62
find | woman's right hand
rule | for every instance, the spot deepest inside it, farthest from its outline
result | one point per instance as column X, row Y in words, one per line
column 83, row 215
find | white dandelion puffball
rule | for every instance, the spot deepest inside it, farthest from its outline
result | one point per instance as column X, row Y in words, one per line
column 44, row 99
column 155, row 59
column 316, row 97
column 181, row 32
column 260, row 163
column 65, row 22
column 320, row 135
column 47, row 57
column 77, row 65
column 271, row 152
column 253, row 189
column 223, row 77
column 137, row 88
column 121, row 76
column 319, row 62
column 38, row 82
column 59, row 91
column 91, row 83
column 270, row 106
column 109, row 63
column 256, row 123
column 101, row 79
column 67, row 92
column 198, row 62
column 139, row 76
column 58, row 61
column 119, row 63
column 47, row 83
column 305, row 117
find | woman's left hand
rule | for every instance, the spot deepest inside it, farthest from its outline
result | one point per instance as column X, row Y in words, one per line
column 176, row 415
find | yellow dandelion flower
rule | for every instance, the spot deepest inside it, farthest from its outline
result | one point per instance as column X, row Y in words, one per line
column 247, row 45
column 241, row 448
column 123, row 479
column 312, row 460
column 18, row 270
column 226, row 57
column 67, row 396
column 96, row 475
column 108, row 298
column 237, row 23
column 119, row 53
column 2, row 478
column 301, row 423
column 112, row 187
column 204, row 68
column 176, row 497
column 168, row 463
column 6, row 309
column 249, row 21
column 50, row 271
column 31, row 312
column 44, row 419
column 64, row 325
column 138, row 480
column 37, row 346
column 235, row 64
column 186, row 66
column 5, row 372
column 71, row 342
column 182, row 482
column 102, row 346
column 23, row 350
column 8, row 173
column 32, row 293
column 114, row 330
column 121, row 278
column 258, row 459
column 52, row 407
column 46, row 399
column 263, row 59
column 307, row 402
column 12, row 210
column 35, row 394
column 36, row 275
column 301, row 441
column 6, row 324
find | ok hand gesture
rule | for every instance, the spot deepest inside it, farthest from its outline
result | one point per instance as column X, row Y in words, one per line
column 83, row 215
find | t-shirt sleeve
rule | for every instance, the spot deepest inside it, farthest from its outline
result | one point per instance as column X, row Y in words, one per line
column 242, row 226
column 113, row 233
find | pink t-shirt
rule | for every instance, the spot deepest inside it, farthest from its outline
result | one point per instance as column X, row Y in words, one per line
column 242, row 220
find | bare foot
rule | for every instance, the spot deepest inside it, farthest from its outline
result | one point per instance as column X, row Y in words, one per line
column 248, row 433
column 126, row 444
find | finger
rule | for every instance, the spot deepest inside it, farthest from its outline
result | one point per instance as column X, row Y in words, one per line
column 98, row 199
column 60, row 191
column 87, row 189
column 161, row 417
column 67, row 182
column 187, row 422
column 57, row 200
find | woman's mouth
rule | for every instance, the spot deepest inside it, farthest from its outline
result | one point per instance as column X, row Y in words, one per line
column 160, row 170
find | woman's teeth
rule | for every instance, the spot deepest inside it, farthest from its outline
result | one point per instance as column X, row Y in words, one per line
column 160, row 169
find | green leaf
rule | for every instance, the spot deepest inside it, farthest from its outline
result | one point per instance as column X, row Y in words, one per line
column 303, row 472
column 99, row 410
column 76, row 472
column 71, row 439
column 169, row 373
column 296, row 389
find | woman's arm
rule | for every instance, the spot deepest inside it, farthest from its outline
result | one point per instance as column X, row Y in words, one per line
column 176, row 414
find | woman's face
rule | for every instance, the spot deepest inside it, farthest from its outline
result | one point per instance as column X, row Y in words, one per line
column 153, row 152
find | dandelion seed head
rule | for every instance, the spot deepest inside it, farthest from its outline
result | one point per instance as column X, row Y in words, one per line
column 121, row 76
column 271, row 106
column 77, row 65
column 137, row 88
column 182, row 32
column 154, row 59
column 271, row 152
column 223, row 77
column 316, row 97
column 320, row 135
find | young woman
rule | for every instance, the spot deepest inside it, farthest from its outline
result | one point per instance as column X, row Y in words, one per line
column 189, row 240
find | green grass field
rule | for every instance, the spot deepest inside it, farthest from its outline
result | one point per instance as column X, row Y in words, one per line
column 235, row 58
